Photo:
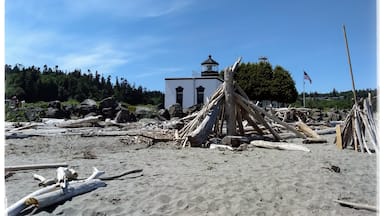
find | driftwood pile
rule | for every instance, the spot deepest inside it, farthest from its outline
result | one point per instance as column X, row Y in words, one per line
column 359, row 124
column 229, row 106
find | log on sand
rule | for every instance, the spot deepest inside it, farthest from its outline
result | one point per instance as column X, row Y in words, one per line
column 84, row 122
column 34, row 166
column 307, row 130
column 62, row 194
column 55, row 194
column 279, row 145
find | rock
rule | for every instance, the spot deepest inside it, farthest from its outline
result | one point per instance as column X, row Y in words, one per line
column 124, row 116
column 145, row 112
column 176, row 110
column 108, row 112
column 164, row 113
column 54, row 113
column 34, row 114
column 87, row 106
column 108, row 102
column 55, row 104
column 194, row 108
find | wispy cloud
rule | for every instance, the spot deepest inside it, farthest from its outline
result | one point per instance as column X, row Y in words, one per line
column 150, row 72
column 128, row 9
column 74, row 52
column 102, row 57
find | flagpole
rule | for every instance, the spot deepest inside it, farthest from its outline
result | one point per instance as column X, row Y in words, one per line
column 303, row 92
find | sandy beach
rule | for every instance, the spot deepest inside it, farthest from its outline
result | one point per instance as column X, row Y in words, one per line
column 197, row 181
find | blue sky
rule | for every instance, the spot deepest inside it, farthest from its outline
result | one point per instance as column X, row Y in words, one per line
column 146, row 41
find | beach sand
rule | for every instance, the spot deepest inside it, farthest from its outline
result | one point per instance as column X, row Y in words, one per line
column 197, row 181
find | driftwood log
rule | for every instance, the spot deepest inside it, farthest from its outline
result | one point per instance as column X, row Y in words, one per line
column 279, row 145
column 84, row 122
column 34, row 166
column 54, row 194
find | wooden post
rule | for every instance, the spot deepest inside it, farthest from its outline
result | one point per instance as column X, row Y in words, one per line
column 230, row 114
column 339, row 141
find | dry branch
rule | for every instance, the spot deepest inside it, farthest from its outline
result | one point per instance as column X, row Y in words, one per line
column 357, row 205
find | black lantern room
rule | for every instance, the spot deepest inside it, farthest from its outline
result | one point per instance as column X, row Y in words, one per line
column 209, row 67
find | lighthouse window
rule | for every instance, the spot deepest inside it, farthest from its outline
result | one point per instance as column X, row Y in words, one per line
column 200, row 95
column 179, row 95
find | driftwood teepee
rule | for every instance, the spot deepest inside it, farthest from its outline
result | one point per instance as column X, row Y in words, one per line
column 359, row 123
column 360, row 120
column 229, row 106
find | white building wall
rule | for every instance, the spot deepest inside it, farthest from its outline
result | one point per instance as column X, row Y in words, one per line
column 189, row 90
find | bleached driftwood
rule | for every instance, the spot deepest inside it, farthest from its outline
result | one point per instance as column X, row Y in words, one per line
column 34, row 166
column 64, row 175
column 28, row 126
column 84, row 122
column 71, row 176
column 55, row 194
column 17, row 207
column 307, row 130
column 219, row 146
column 230, row 115
column 357, row 205
column 59, row 195
column 279, row 145
column 200, row 134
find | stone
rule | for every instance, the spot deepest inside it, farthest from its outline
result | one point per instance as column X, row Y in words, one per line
column 176, row 110
column 164, row 113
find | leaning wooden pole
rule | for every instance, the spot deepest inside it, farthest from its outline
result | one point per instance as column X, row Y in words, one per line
column 350, row 65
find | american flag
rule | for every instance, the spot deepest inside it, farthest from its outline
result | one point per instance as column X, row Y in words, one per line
column 306, row 76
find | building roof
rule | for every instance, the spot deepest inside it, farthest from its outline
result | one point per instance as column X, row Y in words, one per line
column 209, row 61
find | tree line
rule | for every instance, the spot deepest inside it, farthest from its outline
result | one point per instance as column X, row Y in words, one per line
column 336, row 99
column 34, row 84
column 261, row 81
